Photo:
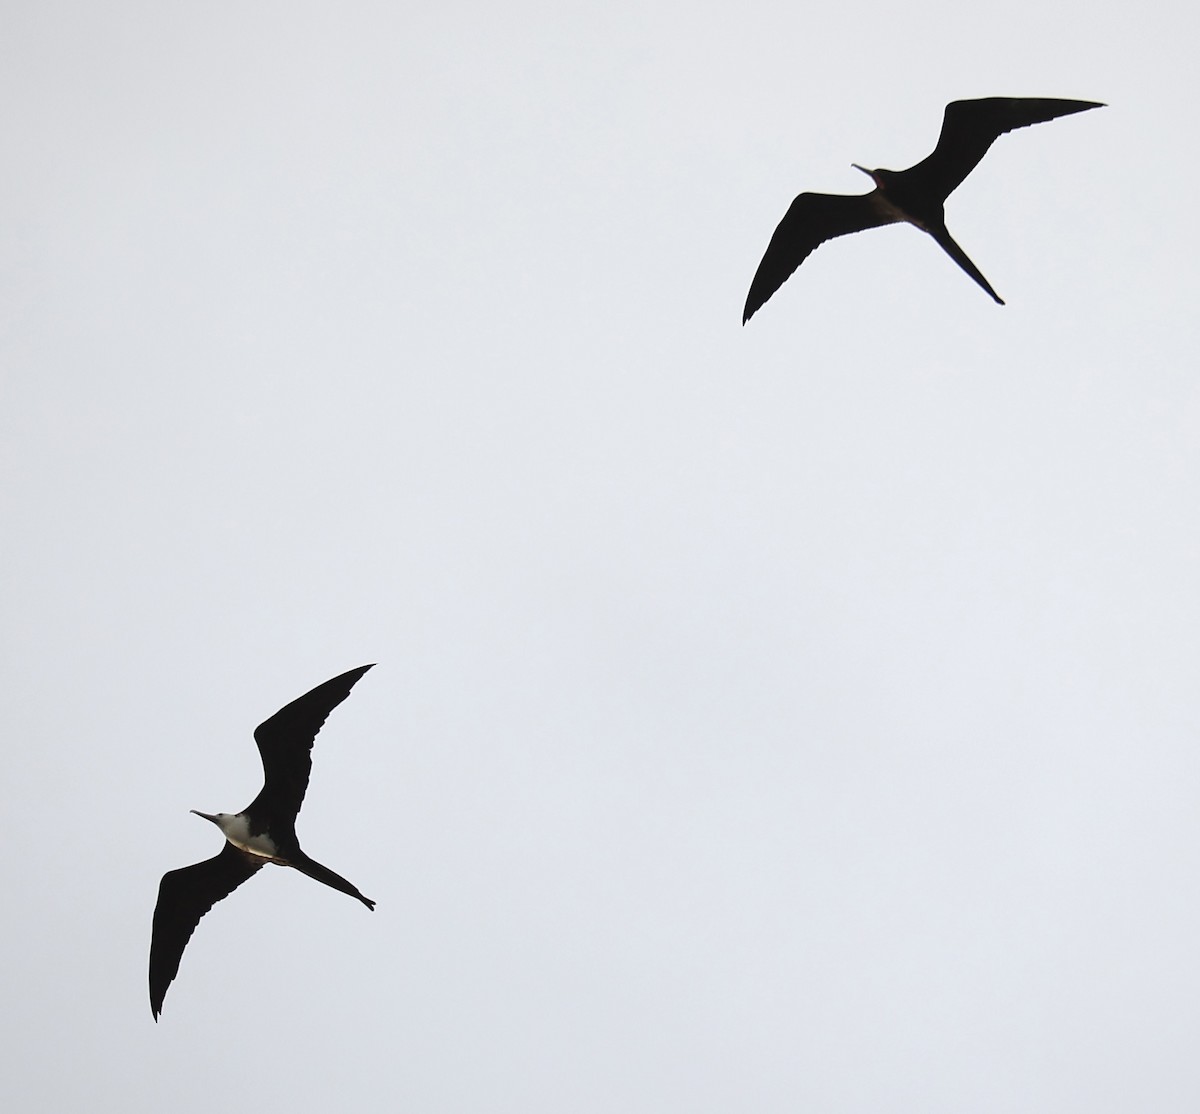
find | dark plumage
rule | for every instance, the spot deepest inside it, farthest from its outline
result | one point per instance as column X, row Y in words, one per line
column 265, row 832
column 916, row 195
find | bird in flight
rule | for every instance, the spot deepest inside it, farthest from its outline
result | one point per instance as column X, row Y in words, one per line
column 264, row 832
column 916, row 195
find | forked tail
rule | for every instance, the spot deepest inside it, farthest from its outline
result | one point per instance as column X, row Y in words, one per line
column 960, row 257
column 323, row 874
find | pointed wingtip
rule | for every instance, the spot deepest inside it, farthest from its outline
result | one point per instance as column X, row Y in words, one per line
column 1085, row 106
column 356, row 674
column 752, row 305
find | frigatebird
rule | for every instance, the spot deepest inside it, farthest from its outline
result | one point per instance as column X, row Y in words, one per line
column 264, row 832
column 916, row 195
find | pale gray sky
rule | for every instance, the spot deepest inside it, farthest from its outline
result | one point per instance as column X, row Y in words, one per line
column 801, row 717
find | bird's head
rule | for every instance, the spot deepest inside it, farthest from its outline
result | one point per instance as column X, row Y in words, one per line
column 217, row 818
column 877, row 176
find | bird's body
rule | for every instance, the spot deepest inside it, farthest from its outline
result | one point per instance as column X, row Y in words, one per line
column 916, row 195
column 264, row 832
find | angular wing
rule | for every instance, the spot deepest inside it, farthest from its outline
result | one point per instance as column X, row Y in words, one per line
column 969, row 128
column 812, row 219
column 184, row 896
column 285, row 743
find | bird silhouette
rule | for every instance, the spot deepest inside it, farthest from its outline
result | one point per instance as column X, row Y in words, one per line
column 916, row 195
column 264, row 832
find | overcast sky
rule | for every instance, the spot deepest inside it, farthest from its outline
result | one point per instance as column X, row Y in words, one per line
column 797, row 717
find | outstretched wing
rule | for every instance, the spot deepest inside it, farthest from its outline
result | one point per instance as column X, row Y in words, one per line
column 812, row 219
column 969, row 128
column 285, row 743
column 184, row 896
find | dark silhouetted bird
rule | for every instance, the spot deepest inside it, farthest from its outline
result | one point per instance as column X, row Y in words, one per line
column 916, row 195
column 265, row 832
